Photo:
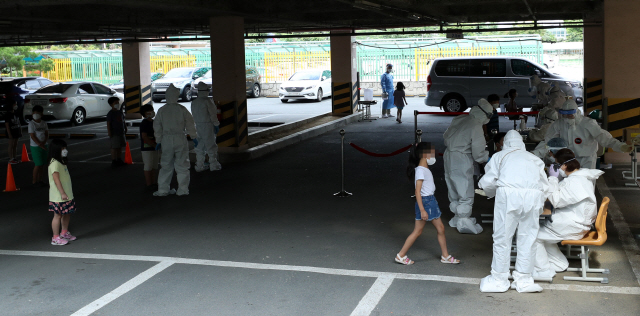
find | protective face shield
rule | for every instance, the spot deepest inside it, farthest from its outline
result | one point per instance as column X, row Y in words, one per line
column 568, row 111
column 37, row 116
column 431, row 161
column 556, row 144
column 64, row 153
column 550, row 117
column 172, row 94
column 389, row 68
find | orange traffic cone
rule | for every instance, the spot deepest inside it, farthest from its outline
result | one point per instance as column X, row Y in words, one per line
column 11, row 183
column 127, row 156
column 25, row 154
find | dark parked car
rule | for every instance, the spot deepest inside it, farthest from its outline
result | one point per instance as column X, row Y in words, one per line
column 253, row 84
column 17, row 89
column 119, row 87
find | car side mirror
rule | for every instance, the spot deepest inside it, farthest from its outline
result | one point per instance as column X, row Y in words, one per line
column 113, row 91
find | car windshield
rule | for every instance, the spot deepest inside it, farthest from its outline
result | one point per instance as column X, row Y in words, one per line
column 179, row 73
column 305, row 75
column 55, row 88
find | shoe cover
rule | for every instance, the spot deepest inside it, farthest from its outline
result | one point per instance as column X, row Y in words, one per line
column 198, row 169
column 215, row 165
column 523, row 283
column 158, row 193
column 543, row 274
column 172, row 191
column 495, row 283
column 468, row 226
column 454, row 221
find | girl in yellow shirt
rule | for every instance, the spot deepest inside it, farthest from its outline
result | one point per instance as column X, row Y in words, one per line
column 61, row 201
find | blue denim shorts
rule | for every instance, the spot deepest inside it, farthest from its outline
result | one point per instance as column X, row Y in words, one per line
column 430, row 206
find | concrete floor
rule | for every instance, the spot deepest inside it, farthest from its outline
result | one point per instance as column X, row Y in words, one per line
column 267, row 237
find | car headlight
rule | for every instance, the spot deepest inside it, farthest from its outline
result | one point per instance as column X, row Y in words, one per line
column 310, row 87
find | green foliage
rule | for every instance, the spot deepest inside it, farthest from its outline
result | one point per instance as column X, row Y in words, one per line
column 575, row 35
column 45, row 65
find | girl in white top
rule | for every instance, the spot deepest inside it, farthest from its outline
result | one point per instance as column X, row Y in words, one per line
column 426, row 208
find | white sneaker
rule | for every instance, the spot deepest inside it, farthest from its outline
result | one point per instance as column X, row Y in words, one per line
column 384, row 116
column 391, row 115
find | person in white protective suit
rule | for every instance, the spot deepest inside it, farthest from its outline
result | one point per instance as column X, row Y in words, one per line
column 205, row 115
column 556, row 98
column 575, row 209
column 518, row 181
column 547, row 118
column 539, row 90
column 172, row 122
column 465, row 144
column 583, row 135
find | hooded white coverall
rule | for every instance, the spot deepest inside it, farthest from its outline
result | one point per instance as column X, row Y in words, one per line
column 518, row 181
column 583, row 135
column 575, row 209
column 169, row 126
column 205, row 115
column 465, row 144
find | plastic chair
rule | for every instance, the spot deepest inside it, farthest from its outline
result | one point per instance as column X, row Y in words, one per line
column 592, row 238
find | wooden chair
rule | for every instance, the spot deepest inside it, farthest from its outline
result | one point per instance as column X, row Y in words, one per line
column 593, row 238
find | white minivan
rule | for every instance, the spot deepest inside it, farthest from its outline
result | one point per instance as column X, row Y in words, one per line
column 456, row 83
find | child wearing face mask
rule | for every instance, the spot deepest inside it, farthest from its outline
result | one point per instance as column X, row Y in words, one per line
column 148, row 149
column 14, row 131
column 61, row 201
column 39, row 135
column 116, row 128
column 426, row 207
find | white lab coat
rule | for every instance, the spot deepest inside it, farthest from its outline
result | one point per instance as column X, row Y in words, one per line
column 583, row 139
column 205, row 115
column 170, row 125
column 575, row 209
column 518, row 181
column 465, row 144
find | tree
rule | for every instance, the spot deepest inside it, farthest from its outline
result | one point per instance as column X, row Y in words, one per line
column 575, row 34
column 46, row 65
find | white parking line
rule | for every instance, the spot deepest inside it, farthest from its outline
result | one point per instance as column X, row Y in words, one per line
column 330, row 271
column 628, row 242
column 262, row 117
column 373, row 296
column 122, row 289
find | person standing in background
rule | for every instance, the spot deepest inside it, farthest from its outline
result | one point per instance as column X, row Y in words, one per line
column 386, row 81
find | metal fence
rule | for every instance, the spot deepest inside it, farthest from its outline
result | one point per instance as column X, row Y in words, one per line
column 276, row 62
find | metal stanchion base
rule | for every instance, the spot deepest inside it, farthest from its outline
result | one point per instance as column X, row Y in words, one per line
column 343, row 194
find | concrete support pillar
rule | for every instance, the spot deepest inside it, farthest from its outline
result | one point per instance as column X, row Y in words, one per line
column 136, row 64
column 593, row 68
column 343, row 75
column 621, row 65
column 229, row 92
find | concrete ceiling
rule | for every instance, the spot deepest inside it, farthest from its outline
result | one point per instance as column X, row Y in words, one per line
column 46, row 21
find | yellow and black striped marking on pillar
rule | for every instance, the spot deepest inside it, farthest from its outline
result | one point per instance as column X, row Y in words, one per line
column 621, row 114
column 593, row 95
column 233, row 125
column 136, row 96
column 343, row 98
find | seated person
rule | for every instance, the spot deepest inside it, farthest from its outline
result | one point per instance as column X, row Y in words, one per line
column 575, row 209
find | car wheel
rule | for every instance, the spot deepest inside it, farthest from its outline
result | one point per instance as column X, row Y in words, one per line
column 454, row 103
column 319, row 95
column 256, row 91
column 284, row 100
column 186, row 95
column 78, row 117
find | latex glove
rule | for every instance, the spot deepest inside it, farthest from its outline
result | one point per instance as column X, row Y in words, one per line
column 626, row 148
column 195, row 142
column 481, row 192
column 158, row 146
column 216, row 129
column 553, row 172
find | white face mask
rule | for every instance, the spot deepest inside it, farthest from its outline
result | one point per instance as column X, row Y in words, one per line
column 151, row 114
column 37, row 116
column 562, row 173
column 431, row 161
column 15, row 107
column 64, row 153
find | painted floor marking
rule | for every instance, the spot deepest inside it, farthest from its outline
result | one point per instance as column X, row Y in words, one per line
column 123, row 289
column 373, row 296
column 624, row 233
column 329, row 271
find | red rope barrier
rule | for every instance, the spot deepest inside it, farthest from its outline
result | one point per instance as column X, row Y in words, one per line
column 364, row 151
column 466, row 113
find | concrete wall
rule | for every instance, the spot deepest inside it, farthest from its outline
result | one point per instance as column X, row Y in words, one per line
column 412, row 88
column 621, row 43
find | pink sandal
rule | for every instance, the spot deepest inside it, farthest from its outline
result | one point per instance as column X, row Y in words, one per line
column 450, row 259
column 404, row 260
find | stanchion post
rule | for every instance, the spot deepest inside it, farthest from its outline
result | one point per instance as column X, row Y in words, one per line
column 342, row 193
column 415, row 123
column 418, row 135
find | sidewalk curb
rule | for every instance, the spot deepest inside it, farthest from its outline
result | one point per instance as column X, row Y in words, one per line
column 266, row 148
